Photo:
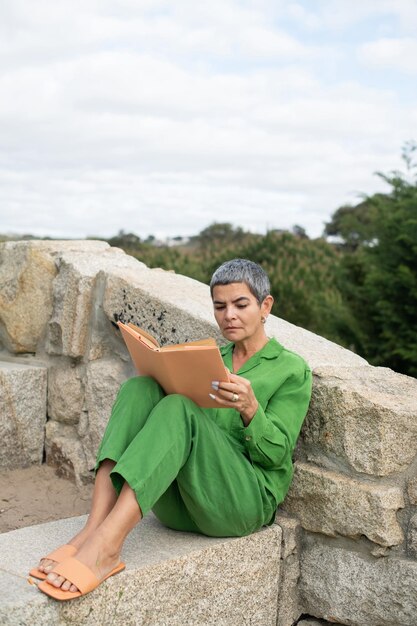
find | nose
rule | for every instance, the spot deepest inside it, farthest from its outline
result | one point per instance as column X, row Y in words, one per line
column 230, row 313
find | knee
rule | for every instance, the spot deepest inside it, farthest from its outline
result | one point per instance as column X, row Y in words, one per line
column 141, row 385
column 177, row 404
column 178, row 410
column 136, row 396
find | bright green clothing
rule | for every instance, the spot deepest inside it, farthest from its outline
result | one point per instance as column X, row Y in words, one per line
column 281, row 381
column 200, row 469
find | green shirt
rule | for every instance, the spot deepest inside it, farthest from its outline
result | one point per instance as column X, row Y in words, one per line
column 281, row 381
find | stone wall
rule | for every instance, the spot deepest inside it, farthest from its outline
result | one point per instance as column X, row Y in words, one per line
column 350, row 519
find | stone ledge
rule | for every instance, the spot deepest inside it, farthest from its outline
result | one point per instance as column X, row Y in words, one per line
column 170, row 578
column 349, row 587
column 333, row 504
column 22, row 413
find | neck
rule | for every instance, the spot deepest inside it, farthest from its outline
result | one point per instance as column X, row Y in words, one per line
column 248, row 347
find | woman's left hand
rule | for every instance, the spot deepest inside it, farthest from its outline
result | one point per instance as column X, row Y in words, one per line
column 236, row 394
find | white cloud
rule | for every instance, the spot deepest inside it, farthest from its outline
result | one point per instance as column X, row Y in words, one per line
column 337, row 16
column 163, row 117
column 397, row 54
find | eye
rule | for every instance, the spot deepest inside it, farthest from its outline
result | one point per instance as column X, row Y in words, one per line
column 218, row 307
column 242, row 306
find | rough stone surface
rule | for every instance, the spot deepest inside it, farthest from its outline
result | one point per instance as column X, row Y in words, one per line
column 173, row 308
column 412, row 537
column 22, row 414
column 412, row 490
column 364, row 417
column 65, row 452
column 332, row 503
column 65, row 392
column 75, row 303
column 26, row 275
column 316, row 350
column 291, row 530
column 176, row 308
column 289, row 609
column 379, row 551
column 27, row 270
column 347, row 587
column 103, row 380
column 170, row 578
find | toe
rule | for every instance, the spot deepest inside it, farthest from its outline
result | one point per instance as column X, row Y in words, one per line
column 55, row 580
column 42, row 564
column 68, row 586
column 48, row 565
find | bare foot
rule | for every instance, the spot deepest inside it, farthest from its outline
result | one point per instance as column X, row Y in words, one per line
column 96, row 555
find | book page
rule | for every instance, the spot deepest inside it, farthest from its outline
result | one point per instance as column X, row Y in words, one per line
column 148, row 339
column 190, row 344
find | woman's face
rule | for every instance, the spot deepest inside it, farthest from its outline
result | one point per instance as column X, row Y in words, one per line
column 237, row 311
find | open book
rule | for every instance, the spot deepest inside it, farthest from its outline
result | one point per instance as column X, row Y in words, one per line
column 185, row 368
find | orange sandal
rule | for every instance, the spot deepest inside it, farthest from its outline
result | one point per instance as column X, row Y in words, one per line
column 80, row 575
column 58, row 555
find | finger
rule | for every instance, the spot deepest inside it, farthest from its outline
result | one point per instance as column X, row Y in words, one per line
column 230, row 387
column 231, row 395
column 240, row 380
column 223, row 401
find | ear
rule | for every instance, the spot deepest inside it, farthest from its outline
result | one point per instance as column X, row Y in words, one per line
column 266, row 305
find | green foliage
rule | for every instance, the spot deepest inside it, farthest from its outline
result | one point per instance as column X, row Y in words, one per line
column 360, row 292
column 391, row 279
column 357, row 225
column 380, row 271
column 303, row 272
column 304, row 282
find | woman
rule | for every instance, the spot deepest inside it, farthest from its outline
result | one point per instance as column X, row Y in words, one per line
column 220, row 472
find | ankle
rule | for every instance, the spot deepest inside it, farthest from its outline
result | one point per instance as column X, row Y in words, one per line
column 111, row 540
column 91, row 525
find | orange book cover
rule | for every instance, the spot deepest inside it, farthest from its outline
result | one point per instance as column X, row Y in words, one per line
column 187, row 368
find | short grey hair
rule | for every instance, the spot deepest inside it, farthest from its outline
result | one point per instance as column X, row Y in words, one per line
column 243, row 271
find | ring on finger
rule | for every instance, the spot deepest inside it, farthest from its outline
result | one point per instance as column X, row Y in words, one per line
column 235, row 397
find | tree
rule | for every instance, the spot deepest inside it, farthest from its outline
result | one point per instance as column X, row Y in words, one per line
column 299, row 231
column 220, row 232
column 356, row 225
column 379, row 269
column 127, row 241
column 304, row 282
column 391, row 276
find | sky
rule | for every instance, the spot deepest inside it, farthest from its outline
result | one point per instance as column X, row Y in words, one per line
column 160, row 118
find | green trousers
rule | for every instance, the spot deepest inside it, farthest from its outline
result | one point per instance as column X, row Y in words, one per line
column 181, row 464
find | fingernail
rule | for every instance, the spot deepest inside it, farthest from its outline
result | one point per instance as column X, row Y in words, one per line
column 215, row 385
column 212, row 396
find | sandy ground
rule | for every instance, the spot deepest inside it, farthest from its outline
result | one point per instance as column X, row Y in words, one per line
column 36, row 494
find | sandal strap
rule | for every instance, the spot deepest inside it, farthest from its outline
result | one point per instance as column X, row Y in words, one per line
column 78, row 574
column 64, row 552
